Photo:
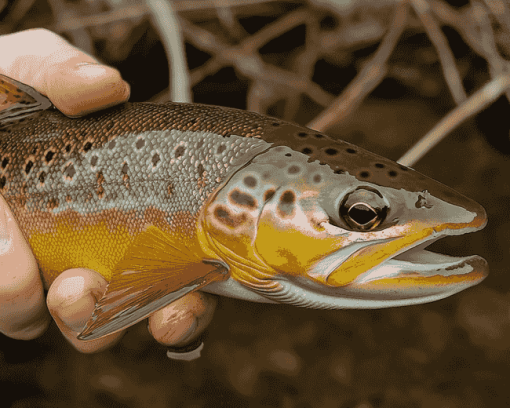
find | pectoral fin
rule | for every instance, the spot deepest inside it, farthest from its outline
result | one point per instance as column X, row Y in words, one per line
column 157, row 270
column 19, row 102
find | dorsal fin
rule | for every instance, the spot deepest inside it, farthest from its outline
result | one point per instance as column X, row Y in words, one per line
column 19, row 102
column 157, row 270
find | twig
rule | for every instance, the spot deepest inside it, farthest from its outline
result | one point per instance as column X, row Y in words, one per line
column 474, row 104
column 370, row 76
column 450, row 71
column 168, row 27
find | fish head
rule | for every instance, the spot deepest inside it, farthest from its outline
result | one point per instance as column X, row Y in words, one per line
column 342, row 230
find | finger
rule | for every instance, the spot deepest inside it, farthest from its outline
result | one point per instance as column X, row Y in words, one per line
column 184, row 320
column 74, row 81
column 71, row 300
column 23, row 314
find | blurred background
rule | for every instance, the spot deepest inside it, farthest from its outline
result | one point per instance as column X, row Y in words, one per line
column 380, row 74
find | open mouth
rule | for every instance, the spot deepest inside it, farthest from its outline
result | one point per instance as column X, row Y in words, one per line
column 417, row 273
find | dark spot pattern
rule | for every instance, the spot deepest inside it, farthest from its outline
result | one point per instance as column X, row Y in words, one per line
column 200, row 169
column 286, row 205
column 155, row 160
column 42, row 177
column 111, row 145
column 29, row 166
column 351, row 151
column 140, row 143
column 294, row 169
column 392, row 173
column 70, row 171
column 87, row 147
column 179, row 151
column 288, row 155
column 223, row 216
column 125, row 168
column 5, row 162
column 49, row 156
column 317, row 178
column 200, row 143
column 93, row 160
column 364, row 174
column 3, row 181
column 250, row 181
column 318, row 136
column 268, row 195
column 302, row 134
column 221, row 148
column 68, row 148
column 331, row 151
column 306, row 150
column 379, row 165
column 242, row 199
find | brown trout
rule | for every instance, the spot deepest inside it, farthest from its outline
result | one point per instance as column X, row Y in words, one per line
column 165, row 199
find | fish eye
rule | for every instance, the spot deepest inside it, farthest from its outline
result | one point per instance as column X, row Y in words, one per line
column 363, row 209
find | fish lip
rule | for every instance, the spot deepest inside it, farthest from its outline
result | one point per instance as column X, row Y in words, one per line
column 417, row 272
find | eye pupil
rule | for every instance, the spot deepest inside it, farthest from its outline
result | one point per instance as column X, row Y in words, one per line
column 362, row 214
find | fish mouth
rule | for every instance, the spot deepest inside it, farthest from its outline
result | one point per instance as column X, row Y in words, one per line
column 419, row 275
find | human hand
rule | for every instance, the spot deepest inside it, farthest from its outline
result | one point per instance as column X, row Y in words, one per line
column 77, row 84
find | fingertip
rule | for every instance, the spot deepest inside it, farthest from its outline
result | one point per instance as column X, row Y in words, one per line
column 23, row 314
column 71, row 301
column 184, row 320
column 81, row 88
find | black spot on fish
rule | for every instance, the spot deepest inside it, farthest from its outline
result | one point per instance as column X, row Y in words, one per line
column 317, row 178
column 268, row 195
column 221, row 149
column 29, row 166
column 288, row 197
column 288, row 155
column 339, row 171
column 49, row 156
column 42, row 177
column 125, row 168
column 250, row 181
column 230, row 220
column 306, row 150
column 403, row 168
column 364, row 174
column 226, row 134
column 242, row 199
column 155, row 159
column 200, row 170
column 286, row 205
column 3, row 181
column 379, row 165
column 318, row 136
column 331, row 152
column 5, row 162
column 93, row 160
column 392, row 173
column 351, row 151
column 140, row 143
column 302, row 134
column 266, row 176
column 87, row 147
column 179, row 151
column 275, row 124
column 68, row 148
column 70, row 171
column 34, row 150
column 111, row 145
column 294, row 169
column 200, row 143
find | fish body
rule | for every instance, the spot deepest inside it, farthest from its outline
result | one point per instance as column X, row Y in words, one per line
column 164, row 199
